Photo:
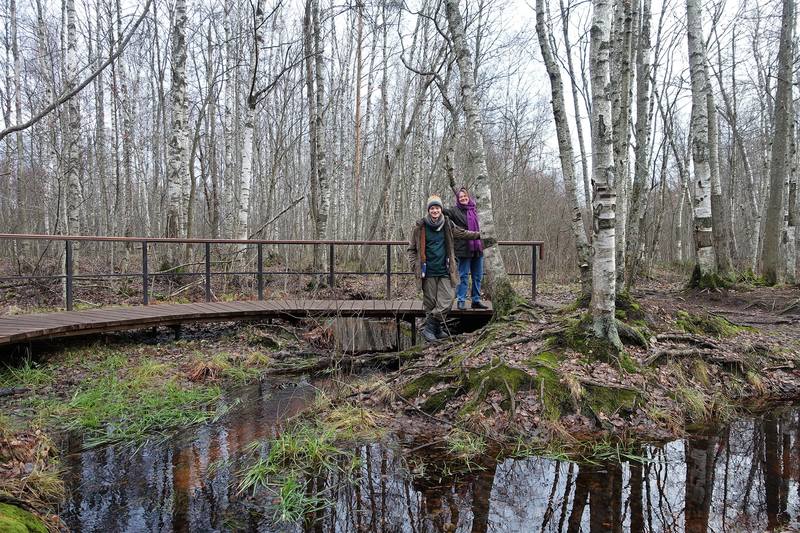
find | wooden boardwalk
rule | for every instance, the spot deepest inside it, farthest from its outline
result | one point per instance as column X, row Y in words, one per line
column 47, row 326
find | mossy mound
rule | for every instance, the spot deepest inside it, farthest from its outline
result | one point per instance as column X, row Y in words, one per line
column 476, row 383
column 711, row 280
column 554, row 396
column 505, row 300
column 708, row 324
column 579, row 336
column 16, row 520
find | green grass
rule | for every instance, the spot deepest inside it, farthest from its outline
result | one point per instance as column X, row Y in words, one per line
column 465, row 445
column 111, row 410
column 304, row 451
column 28, row 374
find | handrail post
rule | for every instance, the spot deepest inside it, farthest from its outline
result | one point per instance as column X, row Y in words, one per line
column 208, row 272
column 68, row 268
column 534, row 257
column 331, row 266
column 145, row 276
column 388, row 271
column 260, row 275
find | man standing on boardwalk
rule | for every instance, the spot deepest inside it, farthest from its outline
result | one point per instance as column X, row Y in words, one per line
column 431, row 254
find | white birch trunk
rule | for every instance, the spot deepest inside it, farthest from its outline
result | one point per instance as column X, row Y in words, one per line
column 229, row 105
column 706, row 261
column 322, row 174
column 73, row 131
column 621, row 108
column 576, row 104
column 565, row 152
column 499, row 282
column 248, row 127
column 177, row 147
column 604, row 196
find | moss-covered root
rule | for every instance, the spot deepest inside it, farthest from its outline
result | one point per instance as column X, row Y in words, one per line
column 709, row 324
column 16, row 520
column 495, row 376
column 582, row 338
column 712, row 280
column 505, row 299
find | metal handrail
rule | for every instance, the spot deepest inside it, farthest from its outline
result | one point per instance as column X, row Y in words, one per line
column 69, row 276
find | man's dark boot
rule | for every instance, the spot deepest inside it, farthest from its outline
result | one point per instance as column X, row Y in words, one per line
column 429, row 330
column 442, row 331
column 479, row 305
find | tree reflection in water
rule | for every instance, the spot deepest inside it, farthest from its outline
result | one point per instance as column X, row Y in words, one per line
column 741, row 478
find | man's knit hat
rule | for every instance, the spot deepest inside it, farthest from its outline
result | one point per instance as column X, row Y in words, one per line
column 434, row 200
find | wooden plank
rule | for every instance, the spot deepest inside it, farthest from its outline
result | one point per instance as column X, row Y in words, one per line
column 70, row 323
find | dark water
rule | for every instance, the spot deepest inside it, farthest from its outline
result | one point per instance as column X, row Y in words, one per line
column 744, row 477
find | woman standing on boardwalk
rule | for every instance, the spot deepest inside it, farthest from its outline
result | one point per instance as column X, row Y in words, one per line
column 430, row 252
column 469, row 253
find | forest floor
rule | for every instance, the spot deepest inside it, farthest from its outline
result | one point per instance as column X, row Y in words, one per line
column 691, row 358
column 530, row 383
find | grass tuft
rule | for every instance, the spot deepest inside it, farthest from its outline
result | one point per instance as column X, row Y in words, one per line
column 28, row 374
column 465, row 445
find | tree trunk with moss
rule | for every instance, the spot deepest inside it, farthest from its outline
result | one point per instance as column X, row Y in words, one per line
column 565, row 152
column 503, row 294
column 604, row 196
column 770, row 255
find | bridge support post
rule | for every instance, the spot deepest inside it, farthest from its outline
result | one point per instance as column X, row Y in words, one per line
column 534, row 258
column 388, row 271
column 331, row 266
column 208, row 271
column 145, row 276
column 260, row 275
column 68, row 274
column 413, row 322
column 397, row 335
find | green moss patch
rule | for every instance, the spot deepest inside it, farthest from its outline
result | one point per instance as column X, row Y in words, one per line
column 505, row 299
column 16, row 520
column 555, row 397
column 712, row 280
column 606, row 401
column 708, row 324
column 495, row 376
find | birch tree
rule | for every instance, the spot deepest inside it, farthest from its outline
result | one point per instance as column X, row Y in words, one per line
column 565, row 151
column 778, row 168
column 704, row 243
column 72, row 133
column 177, row 148
column 243, row 204
column 603, row 194
column 503, row 292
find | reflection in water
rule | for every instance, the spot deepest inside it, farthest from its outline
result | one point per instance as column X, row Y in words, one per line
column 743, row 478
